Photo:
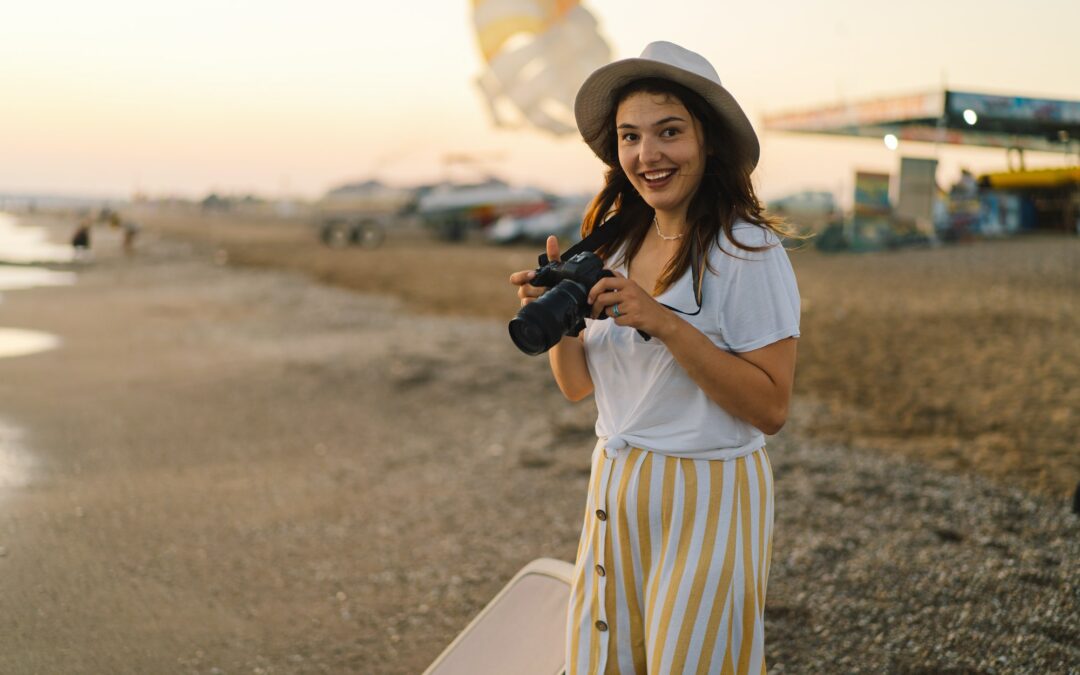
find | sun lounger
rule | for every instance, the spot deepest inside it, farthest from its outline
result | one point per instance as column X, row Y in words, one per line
column 521, row 631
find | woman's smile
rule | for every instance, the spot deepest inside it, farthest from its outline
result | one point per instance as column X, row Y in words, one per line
column 657, row 179
column 661, row 150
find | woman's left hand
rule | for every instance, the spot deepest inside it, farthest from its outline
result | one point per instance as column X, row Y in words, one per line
column 636, row 308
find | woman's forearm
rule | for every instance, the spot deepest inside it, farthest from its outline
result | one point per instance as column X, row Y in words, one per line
column 741, row 387
column 570, row 369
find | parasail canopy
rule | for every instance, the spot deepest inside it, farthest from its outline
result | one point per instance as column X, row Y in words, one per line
column 536, row 54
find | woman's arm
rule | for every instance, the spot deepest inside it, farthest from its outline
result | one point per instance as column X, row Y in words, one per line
column 570, row 369
column 754, row 386
column 567, row 358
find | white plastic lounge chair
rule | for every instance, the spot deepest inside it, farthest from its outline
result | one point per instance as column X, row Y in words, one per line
column 521, row 631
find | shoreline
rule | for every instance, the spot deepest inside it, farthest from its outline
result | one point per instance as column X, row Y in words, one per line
column 31, row 245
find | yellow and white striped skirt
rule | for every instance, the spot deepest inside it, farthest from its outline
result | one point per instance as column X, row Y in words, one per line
column 672, row 565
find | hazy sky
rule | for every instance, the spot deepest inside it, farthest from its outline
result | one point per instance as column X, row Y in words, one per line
column 279, row 97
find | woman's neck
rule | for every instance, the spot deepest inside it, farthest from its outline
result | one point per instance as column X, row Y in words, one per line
column 671, row 224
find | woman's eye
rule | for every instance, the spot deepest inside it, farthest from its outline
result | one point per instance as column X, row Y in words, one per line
column 669, row 132
column 629, row 138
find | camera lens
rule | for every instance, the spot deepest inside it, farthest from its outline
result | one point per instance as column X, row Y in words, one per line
column 534, row 330
column 540, row 324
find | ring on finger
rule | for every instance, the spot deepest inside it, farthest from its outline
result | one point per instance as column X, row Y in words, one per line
column 615, row 310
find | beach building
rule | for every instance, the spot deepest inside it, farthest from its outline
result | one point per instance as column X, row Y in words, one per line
column 1012, row 200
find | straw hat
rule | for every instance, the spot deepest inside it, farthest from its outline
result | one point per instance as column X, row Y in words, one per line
column 667, row 61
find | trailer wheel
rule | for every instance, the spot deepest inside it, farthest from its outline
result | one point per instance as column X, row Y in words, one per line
column 336, row 234
column 368, row 234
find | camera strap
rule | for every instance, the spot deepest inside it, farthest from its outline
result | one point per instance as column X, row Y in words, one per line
column 601, row 234
column 605, row 233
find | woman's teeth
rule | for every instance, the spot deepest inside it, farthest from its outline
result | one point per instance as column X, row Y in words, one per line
column 657, row 175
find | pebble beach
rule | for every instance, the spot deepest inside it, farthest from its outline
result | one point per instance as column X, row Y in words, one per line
column 251, row 454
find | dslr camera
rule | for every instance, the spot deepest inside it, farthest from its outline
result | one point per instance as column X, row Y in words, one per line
column 560, row 311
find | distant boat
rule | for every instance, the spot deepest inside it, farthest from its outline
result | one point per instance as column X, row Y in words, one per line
column 453, row 210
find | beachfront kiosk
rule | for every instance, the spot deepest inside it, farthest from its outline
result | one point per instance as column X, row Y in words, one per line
column 998, row 203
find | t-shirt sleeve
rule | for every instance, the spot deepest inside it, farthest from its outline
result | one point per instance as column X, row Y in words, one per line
column 761, row 302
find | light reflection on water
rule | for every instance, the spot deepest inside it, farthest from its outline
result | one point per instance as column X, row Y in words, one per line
column 15, row 464
column 23, row 245
column 14, row 278
column 20, row 244
column 20, row 342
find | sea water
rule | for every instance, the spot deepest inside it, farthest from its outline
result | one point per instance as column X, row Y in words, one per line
column 21, row 244
column 21, row 342
column 24, row 246
column 15, row 464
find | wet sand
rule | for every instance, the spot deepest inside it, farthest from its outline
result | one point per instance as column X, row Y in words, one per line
column 237, row 469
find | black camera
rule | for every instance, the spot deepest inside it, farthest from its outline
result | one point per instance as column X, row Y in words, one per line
column 560, row 311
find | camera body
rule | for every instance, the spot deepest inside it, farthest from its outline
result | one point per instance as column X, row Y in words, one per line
column 560, row 311
column 585, row 269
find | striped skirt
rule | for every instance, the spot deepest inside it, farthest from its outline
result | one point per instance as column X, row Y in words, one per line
column 672, row 565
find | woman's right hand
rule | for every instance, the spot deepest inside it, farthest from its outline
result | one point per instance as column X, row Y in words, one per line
column 567, row 358
column 527, row 292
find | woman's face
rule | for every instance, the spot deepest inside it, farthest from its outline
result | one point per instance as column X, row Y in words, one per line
column 661, row 150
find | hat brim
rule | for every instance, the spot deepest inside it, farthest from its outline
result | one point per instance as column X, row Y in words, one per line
column 592, row 107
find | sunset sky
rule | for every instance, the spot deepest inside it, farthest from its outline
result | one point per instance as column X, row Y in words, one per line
column 289, row 98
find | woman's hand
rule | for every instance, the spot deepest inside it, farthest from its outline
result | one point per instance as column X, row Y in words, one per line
column 636, row 308
column 527, row 292
column 567, row 357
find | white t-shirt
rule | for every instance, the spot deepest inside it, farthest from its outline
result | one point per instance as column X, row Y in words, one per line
column 645, row 399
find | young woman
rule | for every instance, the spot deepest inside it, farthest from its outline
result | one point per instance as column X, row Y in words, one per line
column 674, row 553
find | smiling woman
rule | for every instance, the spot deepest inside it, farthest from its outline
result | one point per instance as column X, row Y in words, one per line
column 662, row 152
column 673, row 560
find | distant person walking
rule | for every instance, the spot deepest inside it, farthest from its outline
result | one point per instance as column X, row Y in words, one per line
column 673, row 559
column 131, row 231
column 80, row 241
column 129, row 228
column 107, row 215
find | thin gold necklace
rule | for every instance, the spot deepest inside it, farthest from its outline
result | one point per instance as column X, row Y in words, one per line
column 663, row 236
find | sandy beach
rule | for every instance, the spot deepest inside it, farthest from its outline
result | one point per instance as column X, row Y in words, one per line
column 250, row 453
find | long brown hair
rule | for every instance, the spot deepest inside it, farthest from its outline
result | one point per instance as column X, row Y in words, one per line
column 725, row 195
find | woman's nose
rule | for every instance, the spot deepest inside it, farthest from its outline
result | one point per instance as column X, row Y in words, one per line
column 649, row 150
